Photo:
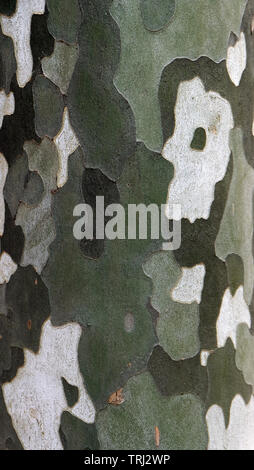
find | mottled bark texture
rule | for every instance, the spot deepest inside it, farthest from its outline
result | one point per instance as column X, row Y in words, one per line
column 119, row 344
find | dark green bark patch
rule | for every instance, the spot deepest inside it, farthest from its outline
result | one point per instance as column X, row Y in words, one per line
column 101, row 117
column 178, row 377
column 225, row 380
column 77, row 435
column 13, row 238
column 64, row 19
column 8, row 437
column 71, row 392
column 7, row 7
column 28, row 304
column 7, row 62
column 95, row 183
column 199, row 139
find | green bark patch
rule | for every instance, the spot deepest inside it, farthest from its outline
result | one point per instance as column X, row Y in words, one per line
column 28, row 304
column 8, row 62
column 34, row 189
column 7, row 7
column 245, row 353
column 225, row 380
column 19, row 127
column 199, row 139
column 71, row 392
column 13, row 238
column 95, row 183
column 39, row 233
column 17, row 361
column 235, row 271
column 60, row 65
column 156, row 13
column 178, row 377
column 100, row 116
column 77, row 435
column 28, row 185
column 177, row 324
column 16, row 178
column 64, row 19
column 132, row 425
column 8, row 437
column 48, row 106
column 5, row 343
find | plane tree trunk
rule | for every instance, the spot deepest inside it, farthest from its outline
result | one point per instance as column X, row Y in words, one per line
column 119, row 342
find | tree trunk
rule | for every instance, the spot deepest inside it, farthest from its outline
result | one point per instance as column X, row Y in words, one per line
column 112, row 335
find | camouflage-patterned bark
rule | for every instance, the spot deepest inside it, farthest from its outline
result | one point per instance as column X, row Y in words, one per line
column 119, row 344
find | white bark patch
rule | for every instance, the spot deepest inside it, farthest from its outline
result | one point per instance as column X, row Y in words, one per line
column 3, row 175
column 18, row 27
column 7, row 105
column 197, row 171
column 7, row 267
column 204, row 354
column 190, row 286
column 66, row 143
column 239, row 434
column 35, row 398
column 237, row 60
column 233, row 311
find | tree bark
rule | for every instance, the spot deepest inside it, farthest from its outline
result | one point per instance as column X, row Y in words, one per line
column 115, row 341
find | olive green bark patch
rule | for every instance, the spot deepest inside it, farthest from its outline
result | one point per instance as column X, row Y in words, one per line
column 236, row 228
column 77, row 435
column 194, row 31
column 132, row 425
column 178, row 377
column 156, row 13
column 177, row 324
column 225, row 380
column 64, row 19
column 36, row 221
column 71, row 392
column 60, row 66
column 48, row 107
column 245, row 353
column 199, row 139
column 100, row 116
